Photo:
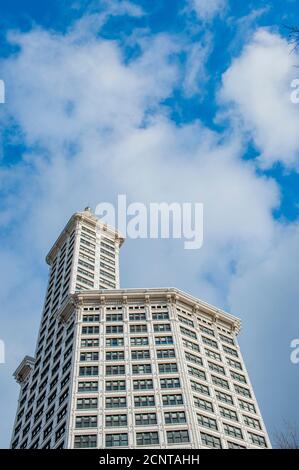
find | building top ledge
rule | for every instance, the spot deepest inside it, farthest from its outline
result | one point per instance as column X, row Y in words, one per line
column 171, row 294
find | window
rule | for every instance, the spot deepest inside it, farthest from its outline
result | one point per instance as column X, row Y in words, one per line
column 172, row 400
column 114, row 317
column 115, row 370
column 89, row 356
column 230, row 351
column 177, row 437
column 170, row 383
column 91, row 318
column 86, row 440
column 114, row 329
column 168, row 368
column 234, row 445
column 231, row 362
column 141, row 369
column 216, row 368
column 139, row 341
column 224, row 397
column 88, row 371
column 160, row 316
column 116, row 421
column 210, row 342
column 114, row 342
column 228, row 414
column 213, row 354
column 203, row 404
column 239, row 377
column 251, row 422
column 60, row 432
column 191, row 345
column 161, row 340
column 146, row 384
column 147, row 400
column 190, row 357
column 244, row 405
column 112, row 385
column 145, row 419
column 87, row 387
column 207, row 422
column 234, row 431
column 147, row 438
column 137, row 316
column 116, row 402
column 87, row 403
column 210, row 441
column 187, row 332
column 186, row 321
column 257, row 440
column 86, row 421
column 138, row 328
column 159, row 327
column 226, row 339
column 207, row 330
column 90, row 330
column 175, row 417
column 200, row 374
column 140, row 354
column 200, row 388
column 242, row 391
column 115, row 355
column 117, row 440
column 220, row 382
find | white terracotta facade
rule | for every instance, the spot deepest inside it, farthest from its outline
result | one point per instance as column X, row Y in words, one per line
column 130, row 368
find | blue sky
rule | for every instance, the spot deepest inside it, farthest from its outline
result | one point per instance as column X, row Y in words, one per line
column 161, row 101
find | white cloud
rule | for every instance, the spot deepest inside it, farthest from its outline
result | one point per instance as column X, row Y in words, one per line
column 206, row 10
column 257, row 89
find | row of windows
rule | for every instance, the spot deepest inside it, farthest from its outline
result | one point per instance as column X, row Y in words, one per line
column 141, row 419
column 135, row 355
column 88, row 371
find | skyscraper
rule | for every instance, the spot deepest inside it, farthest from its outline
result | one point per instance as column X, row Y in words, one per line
column 127, row 368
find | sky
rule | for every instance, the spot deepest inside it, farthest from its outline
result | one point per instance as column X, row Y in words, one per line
column 175, row 101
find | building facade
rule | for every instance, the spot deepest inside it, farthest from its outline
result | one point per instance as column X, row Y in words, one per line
column 130, row 368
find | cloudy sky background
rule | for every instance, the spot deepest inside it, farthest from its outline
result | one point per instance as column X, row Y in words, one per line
column 161, row 101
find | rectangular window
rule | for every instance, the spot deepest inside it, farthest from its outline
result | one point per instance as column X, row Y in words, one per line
column 200, row 374
column 257, row 440
column 112, row 342
column 200, row 388
column 116, row 402
column 115, row 370
column 203, row 404
column 86, row 421
column 213, row 354
column 239, row 377
column 85, row 441
column 87, row 387
column 90, row 330
column 114, row 317
column 224, row 397
column 161, row 340
column 160, row 316
column 187, row 332
column 252, row 422
column 141, row 369
column 161, row 327
column 220, row 382
column 228, row 414
column 87, row 403
column 210, row 441
column 186, row 321
column 146, row 400
column 116, row 421
column 226, row 339
column 138, row 328
column 207, row 422
column 242, row 391
column 207, row 330
column 115, row 355
column 88, row 371
column 145, row 419
column 244, row 405
column 146, row 384
column 168, row 368
column 192, row 358
column 210, row 342
column 140, row 354
column 89, row 356
column 175, row 417
column 112, row 385
column 117, row 440
column 236, row 364
column 147, row 438
column 191, row 345
column 178, row 437
column 230, row 351
column 170, row 383
column 137, row 316
column 232, row 431
column 89, row 343
column 142, row 341
column 172, row 400
column 114, row 329
column 90, row 318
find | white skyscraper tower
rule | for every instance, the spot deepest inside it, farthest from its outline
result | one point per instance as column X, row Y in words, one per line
column 129, row 367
